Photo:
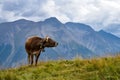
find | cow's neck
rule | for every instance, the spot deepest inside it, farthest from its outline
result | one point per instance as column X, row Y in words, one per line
column 42, row 45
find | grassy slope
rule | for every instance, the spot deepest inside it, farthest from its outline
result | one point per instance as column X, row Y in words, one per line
column 77, row 69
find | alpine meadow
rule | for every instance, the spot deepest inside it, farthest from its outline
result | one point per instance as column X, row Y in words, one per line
column 107, row 68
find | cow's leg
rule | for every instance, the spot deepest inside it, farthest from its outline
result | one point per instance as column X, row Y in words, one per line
column 37, row 56
column 31, row 59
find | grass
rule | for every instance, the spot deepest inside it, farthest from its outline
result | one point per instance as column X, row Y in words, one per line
column 107, row 68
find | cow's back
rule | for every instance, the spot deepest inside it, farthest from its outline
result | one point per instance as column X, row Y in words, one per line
column 33, row 44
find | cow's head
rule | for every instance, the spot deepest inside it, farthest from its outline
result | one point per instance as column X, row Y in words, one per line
column 49, row 42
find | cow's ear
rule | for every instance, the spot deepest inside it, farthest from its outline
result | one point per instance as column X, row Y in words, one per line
column 47, row 38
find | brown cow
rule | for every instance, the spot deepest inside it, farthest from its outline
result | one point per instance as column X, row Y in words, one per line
column 35, row 45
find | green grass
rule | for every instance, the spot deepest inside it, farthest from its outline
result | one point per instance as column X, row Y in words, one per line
column 77, row 69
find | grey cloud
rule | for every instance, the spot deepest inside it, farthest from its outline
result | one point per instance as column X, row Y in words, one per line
column 23, row 8
column 32, row 12
column 13, row 5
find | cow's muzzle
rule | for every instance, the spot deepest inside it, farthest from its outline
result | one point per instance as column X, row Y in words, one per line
column 56, row 44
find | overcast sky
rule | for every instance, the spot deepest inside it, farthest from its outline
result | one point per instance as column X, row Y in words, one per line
column 97, row 13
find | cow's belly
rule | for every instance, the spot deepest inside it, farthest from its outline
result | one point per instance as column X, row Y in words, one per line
column 35, row 52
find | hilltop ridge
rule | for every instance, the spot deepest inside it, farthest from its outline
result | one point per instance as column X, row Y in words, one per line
column 106, row 68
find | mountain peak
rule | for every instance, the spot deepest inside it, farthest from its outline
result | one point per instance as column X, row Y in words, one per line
column 52, row 20
column 22, row 21
column 102, row 31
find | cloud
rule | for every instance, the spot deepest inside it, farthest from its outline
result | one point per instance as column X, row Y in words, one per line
column 97, row 13
column 13, row 5
column 16, row 9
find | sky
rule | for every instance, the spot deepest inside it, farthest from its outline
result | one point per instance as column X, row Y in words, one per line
column 100, row 14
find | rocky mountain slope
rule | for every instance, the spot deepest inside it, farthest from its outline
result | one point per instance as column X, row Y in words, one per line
column 75, row 39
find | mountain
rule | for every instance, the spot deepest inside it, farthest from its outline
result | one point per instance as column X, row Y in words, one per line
column 75, row 39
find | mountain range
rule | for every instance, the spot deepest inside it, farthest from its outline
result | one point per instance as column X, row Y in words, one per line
column 75, row 40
